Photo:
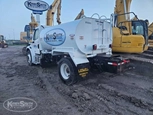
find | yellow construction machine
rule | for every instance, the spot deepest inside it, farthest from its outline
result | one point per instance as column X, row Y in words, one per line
column 27, row 35
column 3, row 43
column 129, row 36
column 33, row 24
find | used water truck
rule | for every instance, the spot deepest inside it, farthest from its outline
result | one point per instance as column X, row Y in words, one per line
column 77, row 47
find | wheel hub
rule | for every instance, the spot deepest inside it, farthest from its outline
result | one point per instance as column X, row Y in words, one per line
column 65, row 71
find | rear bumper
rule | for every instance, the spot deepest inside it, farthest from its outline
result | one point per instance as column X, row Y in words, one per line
column 118, row 67
column 110, row 63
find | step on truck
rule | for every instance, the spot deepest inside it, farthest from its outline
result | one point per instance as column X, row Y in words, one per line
column 77, row 47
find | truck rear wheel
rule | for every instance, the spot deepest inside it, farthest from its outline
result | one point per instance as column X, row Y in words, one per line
column 29, row 58
column 67, row 71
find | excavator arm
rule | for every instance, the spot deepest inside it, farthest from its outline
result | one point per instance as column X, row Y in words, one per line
column 56, row 5
column 59, row 13
column 33, row 24
column 80, row 15
column 123, row 7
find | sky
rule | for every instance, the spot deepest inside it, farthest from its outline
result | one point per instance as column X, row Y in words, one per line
column 14, row 15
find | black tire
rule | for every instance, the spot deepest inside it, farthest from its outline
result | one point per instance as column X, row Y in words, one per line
column 29, row 58
column 67, row 71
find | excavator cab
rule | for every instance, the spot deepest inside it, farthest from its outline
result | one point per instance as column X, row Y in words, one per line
column 140, row 27
column 129, row 36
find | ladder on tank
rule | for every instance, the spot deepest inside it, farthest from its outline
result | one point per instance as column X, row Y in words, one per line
column 101, row 30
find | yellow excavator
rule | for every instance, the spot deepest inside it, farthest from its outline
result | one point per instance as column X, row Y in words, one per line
column 33, row 24
column 3, row 43
column 129, row 36
column 29, row 32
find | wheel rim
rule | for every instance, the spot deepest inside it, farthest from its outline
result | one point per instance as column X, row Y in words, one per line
column 29, row 58
column 65, row 71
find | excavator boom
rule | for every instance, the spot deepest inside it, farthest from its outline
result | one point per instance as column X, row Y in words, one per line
column 56, row 5
column 121, row 7
column 80, row 15
column 33, row 24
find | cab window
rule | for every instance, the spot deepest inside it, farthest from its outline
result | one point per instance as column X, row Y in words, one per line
column 137, row 28
column 36, row 34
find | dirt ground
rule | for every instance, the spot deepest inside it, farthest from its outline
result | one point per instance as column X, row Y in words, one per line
column 128, row 93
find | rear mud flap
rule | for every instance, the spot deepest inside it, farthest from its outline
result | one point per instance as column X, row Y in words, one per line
column 83, row 69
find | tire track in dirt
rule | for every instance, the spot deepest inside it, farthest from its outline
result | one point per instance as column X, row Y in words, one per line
column 128, row 93
column 108, row 100
column 36, row 75
column 118, row 89
column 80, row 100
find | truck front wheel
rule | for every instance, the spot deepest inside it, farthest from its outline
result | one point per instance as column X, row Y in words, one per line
column 67, row 71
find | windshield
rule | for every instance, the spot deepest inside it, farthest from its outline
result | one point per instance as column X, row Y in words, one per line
column 137, row 28
column 36, row 34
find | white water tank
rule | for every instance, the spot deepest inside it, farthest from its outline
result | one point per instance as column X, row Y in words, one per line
column 80, row 35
